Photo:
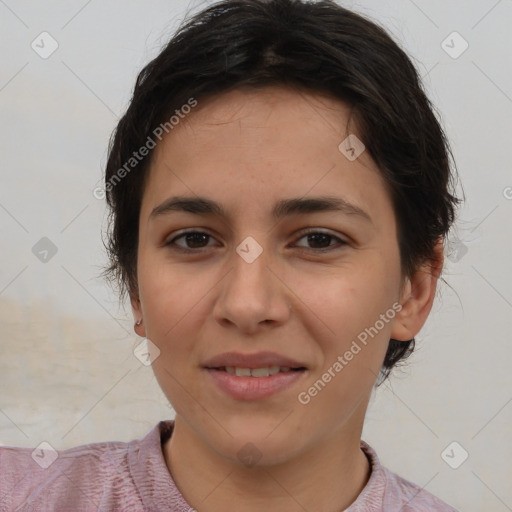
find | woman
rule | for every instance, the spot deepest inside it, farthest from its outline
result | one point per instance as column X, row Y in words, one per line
column 280, row 192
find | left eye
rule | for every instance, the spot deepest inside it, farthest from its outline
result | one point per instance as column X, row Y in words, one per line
column 321, row 241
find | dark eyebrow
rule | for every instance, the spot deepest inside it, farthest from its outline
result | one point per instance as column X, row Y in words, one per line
column 283, row 208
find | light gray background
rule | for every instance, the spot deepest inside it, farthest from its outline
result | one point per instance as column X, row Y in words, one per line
column 68, row 374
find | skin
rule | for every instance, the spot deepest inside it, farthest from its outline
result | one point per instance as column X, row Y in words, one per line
column 247, row 150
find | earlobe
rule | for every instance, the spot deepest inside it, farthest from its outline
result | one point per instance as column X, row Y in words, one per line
column 417, row 297
column 138, row 316
column 139, row 329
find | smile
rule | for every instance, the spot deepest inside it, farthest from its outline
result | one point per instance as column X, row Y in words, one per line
column 256, row 372
column 254, row 383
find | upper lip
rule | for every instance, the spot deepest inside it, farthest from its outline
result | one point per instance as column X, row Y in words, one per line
column 256, row 360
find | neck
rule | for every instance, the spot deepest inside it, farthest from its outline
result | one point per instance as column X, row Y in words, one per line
column 323, row 478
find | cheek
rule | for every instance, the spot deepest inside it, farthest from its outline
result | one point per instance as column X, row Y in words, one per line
column 344, row 300
column 167, row 290
column 168, row 298
column 346, row 323
column 171, row 302
column 350, row 320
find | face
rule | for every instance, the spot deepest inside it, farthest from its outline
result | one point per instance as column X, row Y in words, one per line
column 266, row 273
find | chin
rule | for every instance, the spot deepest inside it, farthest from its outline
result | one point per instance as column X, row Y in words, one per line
column 257, row 442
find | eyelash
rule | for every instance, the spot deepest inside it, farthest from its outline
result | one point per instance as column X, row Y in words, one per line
column 175, row 247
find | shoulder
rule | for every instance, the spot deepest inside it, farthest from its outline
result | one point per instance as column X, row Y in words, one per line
column 88, row 475
column 411, row 496
column 392, row 492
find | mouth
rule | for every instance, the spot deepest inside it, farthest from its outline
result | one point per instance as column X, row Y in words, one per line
column 253, row 376
column 250, row 384
column 264, row 371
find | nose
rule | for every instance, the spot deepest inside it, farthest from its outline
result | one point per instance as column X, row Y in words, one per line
column 253, row 295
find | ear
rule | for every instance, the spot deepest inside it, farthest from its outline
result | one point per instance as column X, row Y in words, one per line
column 417, row 297
column 137, row 314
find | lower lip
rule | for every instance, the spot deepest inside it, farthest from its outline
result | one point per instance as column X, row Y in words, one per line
column 253, row 388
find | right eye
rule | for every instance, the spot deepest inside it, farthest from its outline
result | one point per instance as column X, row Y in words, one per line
column 194, row 238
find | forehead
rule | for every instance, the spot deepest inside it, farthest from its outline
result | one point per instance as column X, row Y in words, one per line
column 268, row 109
column 247, row 146
column 261, row 123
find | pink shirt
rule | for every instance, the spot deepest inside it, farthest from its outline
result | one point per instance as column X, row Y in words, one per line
column 133, row 477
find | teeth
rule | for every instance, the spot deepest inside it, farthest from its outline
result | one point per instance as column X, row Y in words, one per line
column 272, row 370
column 242, row 372
column 256, row 372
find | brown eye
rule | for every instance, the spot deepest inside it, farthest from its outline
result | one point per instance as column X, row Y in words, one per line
column 193, row 240
column 321, row 241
